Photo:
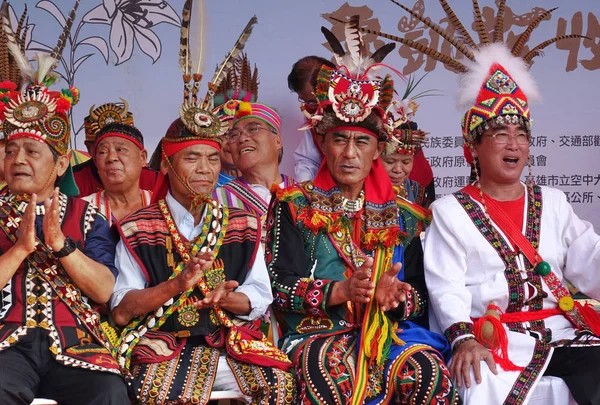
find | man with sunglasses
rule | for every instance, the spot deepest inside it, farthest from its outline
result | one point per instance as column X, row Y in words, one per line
column 257, row 149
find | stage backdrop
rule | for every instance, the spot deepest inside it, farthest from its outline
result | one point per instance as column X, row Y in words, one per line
column 129, row 49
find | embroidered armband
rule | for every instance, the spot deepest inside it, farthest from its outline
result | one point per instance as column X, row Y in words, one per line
column 458, row 329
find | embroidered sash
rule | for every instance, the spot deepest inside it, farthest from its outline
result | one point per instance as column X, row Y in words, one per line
column 561, row 293
column 42, row 260
column 253, row 201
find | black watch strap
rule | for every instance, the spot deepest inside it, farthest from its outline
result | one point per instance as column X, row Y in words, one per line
column 67, row 249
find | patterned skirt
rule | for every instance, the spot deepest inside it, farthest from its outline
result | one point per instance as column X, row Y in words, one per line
column 188, row 379
column 414, row 374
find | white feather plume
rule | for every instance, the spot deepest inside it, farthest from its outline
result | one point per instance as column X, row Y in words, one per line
column 46, row 64
column 486, row 56
column 198, row 40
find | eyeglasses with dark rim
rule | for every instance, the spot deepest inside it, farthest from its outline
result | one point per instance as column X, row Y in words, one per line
column 251, row 130
column 502, row 138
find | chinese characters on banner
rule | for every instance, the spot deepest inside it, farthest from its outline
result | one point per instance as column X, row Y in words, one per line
column 581, row 183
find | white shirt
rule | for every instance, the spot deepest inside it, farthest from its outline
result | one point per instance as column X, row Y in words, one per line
column 307, row 158
column 256, row 286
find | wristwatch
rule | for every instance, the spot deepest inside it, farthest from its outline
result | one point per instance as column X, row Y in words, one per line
column 67, row 249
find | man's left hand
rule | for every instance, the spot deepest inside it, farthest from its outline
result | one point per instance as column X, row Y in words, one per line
column 53, row 235
column 218, row 295
column 390, row 291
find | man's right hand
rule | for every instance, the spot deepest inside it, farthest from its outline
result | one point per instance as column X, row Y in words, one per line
column 26, row 241
column 194, row 271
column 358, row 288
column 470, row 354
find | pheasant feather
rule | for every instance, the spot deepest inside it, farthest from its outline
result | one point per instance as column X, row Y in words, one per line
column 184, row 41
column 538, row 50
column 447, row 60
column 26, row 68
column 439, row 30
column 234, row 53
column 524, row 37
column 481, row 31
column 62, row 40
column 468, row 39
column 499, row 27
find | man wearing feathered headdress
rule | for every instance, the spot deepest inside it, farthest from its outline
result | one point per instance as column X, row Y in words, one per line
column 86, row 175
column 302, row 80
column 57, row 261
column 347, row 271
column 257, row 149
column 498, row 251
column 240, row 85
column 193, row 282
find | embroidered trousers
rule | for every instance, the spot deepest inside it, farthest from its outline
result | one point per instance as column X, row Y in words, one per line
column 325, row 371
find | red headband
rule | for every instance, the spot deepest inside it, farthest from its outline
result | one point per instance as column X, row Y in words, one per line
column 118, row 135
column 169, row 149
column 354, row 128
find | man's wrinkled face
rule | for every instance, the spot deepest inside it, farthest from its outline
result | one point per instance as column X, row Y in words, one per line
column 28, row 167
column 198, row 166
column 350, row 155
column 119, row 162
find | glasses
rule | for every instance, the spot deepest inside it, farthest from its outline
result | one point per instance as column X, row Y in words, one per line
column 502, row 138
column 251, row 130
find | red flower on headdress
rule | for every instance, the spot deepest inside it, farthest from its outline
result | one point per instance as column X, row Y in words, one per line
column 63, row 105
column 7, row 86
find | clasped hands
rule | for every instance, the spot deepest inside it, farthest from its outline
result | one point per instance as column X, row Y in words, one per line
column 193, row 272
column 389, row 291
column 53, row 235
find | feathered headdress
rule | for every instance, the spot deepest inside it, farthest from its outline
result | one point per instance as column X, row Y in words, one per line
column 10, row 67
column 234, row 80
column 36, row 111
column 240, row 85
column 195, row 113
column 352, row 89
column 495, row 81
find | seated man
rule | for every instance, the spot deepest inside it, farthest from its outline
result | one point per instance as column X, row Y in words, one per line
column 159, row 260
column 86, row 174
column 499, row 251
column 56, row 266
column 192, row 273
column 257, row 149
column 119, row 157
column 347, row 274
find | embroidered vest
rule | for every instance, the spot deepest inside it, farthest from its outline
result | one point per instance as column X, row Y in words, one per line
column 28, row 301
column 147, row 238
